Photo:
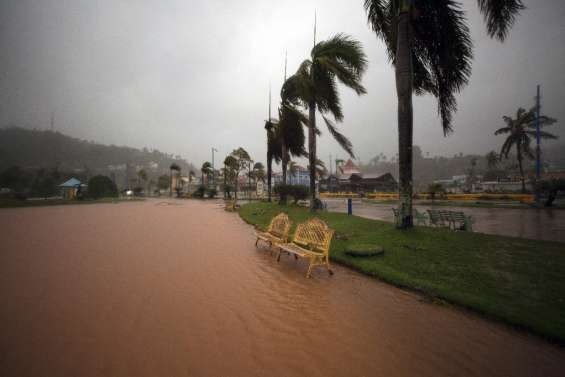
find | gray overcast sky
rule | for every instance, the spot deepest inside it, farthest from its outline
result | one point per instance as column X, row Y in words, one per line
column 183, row 76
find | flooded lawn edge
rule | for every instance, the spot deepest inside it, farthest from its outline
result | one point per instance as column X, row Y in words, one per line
column 504, row 305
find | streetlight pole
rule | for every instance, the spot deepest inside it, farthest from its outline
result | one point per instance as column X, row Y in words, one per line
column 213, row 170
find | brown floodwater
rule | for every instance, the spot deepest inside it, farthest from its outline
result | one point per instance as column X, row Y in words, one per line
column 156, row 289
column 540, row 224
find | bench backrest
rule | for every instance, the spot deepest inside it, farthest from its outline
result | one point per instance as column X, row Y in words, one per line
column 458, row 216
column 314, row 235
column 280, row 226
column 434, row 216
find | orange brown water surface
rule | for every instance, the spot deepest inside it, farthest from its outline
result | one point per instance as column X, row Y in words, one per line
column 177, row 288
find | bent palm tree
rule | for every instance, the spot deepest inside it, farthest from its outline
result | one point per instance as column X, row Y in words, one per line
column 520, row 133
column 429, row 44
column 314, row 86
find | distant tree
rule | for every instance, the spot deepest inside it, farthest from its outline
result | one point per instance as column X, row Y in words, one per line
column 101, row 186
column 173, row 168
column 434, row 189
column 231, row 174
column 163, row 182
column 259, row 172
column 206, row 171
column 492, row 160
column 15, row 178
column 520, row 131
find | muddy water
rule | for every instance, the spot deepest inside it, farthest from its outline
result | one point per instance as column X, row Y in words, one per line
column 150, row 289
column 538, row 224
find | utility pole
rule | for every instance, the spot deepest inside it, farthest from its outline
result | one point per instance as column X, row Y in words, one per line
column 538, row 150
column 330, row 164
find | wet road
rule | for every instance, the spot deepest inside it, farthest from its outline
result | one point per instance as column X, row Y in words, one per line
column 539, row 224
column 157, row 289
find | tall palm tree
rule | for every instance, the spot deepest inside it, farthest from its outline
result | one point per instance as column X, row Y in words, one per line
column 429, row 44
column 290, row 131
column 274, row 152
column 314, row 86
column 206, row 170
column 520, row 132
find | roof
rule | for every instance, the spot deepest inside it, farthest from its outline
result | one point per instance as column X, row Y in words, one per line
column 349, row 168
column 73, row 182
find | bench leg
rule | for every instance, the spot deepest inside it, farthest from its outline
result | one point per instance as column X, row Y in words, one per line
column 328, row 266
column 309, row 273
column 279, row 256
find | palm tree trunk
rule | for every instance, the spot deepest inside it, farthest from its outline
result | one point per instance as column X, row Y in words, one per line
column 521, row 169
column 404, row 88
column 269, row 175
column 284, row 162
column 171, row 183
column 312, row 152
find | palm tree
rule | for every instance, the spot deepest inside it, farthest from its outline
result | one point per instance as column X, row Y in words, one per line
column 320, row 168
column 314, row 86
column 274, row 151
column 206, row 170
column 429, row 44
column 259, row 172
column 520, row 132
column 492, row 160
column 173, row 167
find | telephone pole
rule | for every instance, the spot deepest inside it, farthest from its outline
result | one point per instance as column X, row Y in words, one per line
column 538, row 150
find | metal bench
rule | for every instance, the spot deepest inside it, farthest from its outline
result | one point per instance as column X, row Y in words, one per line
column 277, row 232
column 311, row 240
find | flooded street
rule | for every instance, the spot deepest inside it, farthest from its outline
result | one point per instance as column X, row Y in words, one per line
column 177, row 288
column 539, row 224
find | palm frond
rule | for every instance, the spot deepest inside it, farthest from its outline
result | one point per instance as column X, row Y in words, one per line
column 503, row 130
column 500, row 16
column 341, row 139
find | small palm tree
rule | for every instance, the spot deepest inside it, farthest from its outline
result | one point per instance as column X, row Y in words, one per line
column 206, row 170
column 520, row 132
column 429, row 44
column 314, row 86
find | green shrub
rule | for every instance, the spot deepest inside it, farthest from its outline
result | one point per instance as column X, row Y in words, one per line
column 212, row 192
column 200, row 191
column 101, row 186
column 299, row 192
column 283, row 191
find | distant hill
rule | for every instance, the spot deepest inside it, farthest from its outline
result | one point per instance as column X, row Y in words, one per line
column 36, row 149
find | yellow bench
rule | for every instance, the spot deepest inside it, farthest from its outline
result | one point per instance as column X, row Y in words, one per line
column 277, row 232
column 311, row 240
column 231, row 205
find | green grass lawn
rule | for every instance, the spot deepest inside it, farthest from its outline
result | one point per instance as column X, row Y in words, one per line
column 11, row 203
column 517, row 281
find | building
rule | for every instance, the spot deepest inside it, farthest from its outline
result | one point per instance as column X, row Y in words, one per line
column 72, row 188
column 350, row 179
column 300, row 177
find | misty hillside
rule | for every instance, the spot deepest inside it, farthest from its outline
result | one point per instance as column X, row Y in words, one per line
column 33, row 149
